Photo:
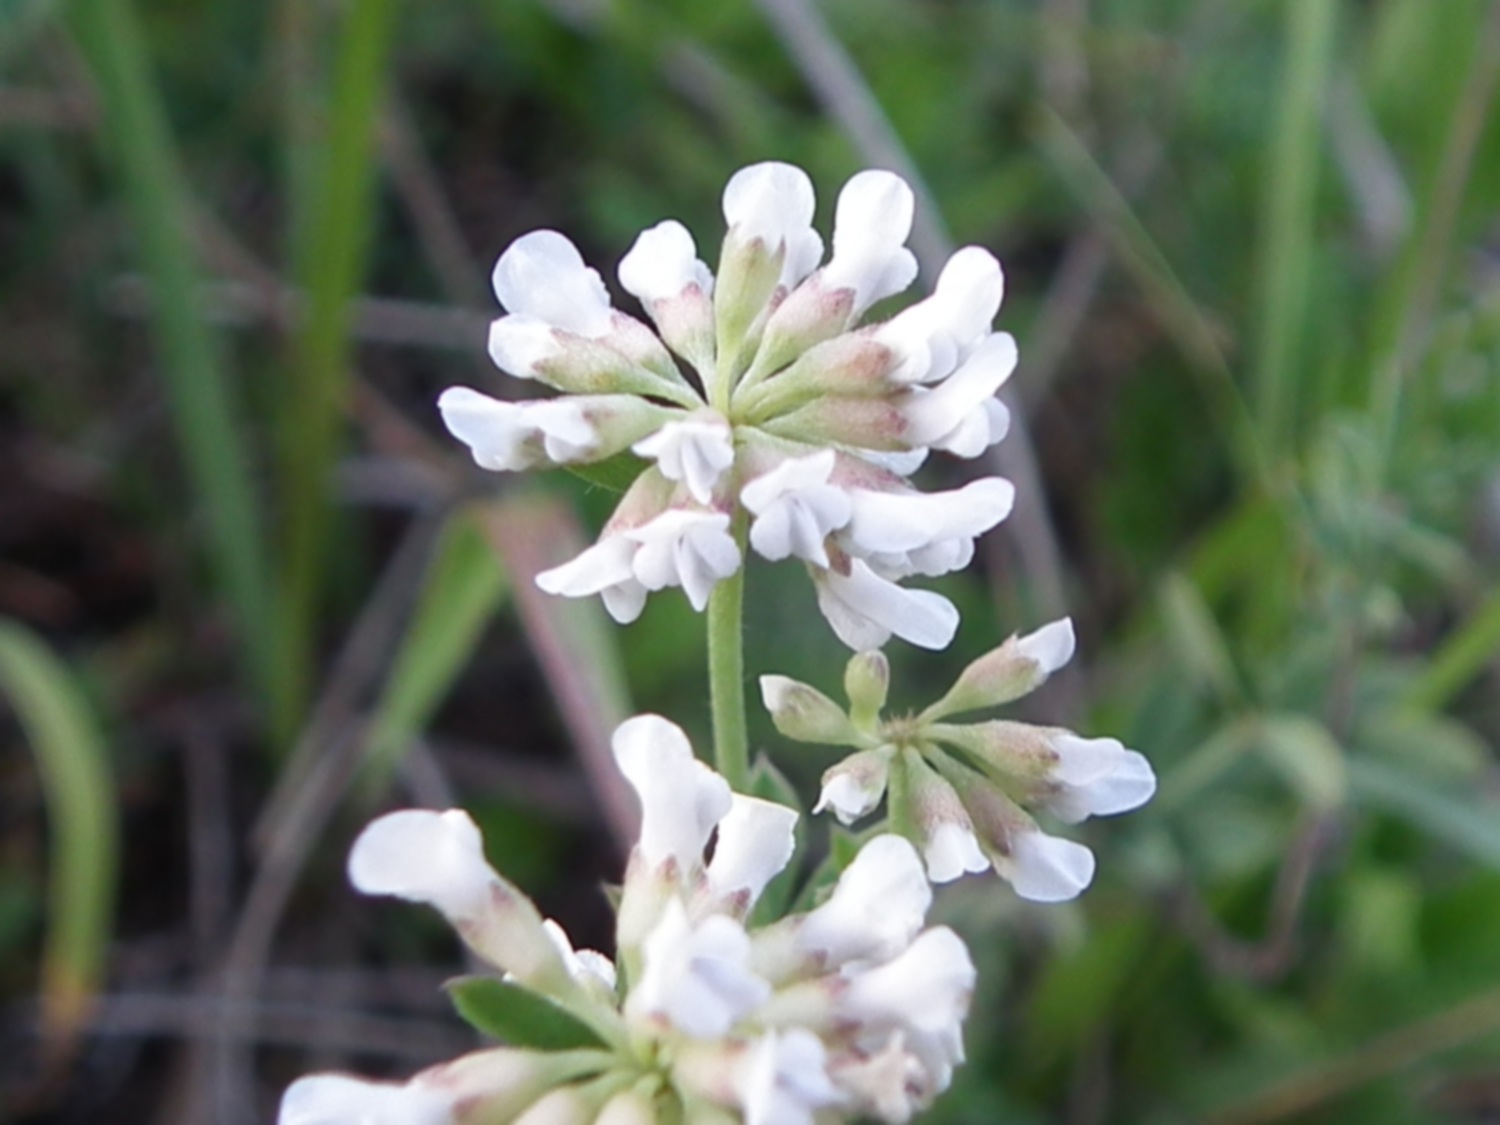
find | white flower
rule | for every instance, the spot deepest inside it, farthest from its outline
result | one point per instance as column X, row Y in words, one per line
column 774, row 202
column 337, row 1099
column 952, row 850
column 681, row 798
column 697, row 977
column 1096, row 777
column 1049, row 647
column 960, row 414
column 543, row 276
column 933, row 336
column 607, row 568
column 512, row 436
column 1045, row 868
column 796, row 509
column 695, row 451
column 870, row 228
column 904, row 532
column 684, row 547
column 925, row 993
column 422, row 856
column 866, row 609
column 783, row 1079
column 662, row 263
column 587, row 966
column 877, row 907
column 854, row 786
column 890, row 1083
column 755, row 842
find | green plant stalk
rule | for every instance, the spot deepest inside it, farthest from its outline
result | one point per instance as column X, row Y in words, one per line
column 329, row 271
column 1459, row 660
column 1290, row 213
column 84, row 824
column 1406, row 306
column 208, row 419
column 726, row 671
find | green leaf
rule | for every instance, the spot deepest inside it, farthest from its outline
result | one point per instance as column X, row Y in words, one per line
column 83, row 821
column 1307, row 756
column 615, row 473
column 1464, row 822
column 518, row 1016
column 208, row 419
column 464, row 587
column 1197, row 640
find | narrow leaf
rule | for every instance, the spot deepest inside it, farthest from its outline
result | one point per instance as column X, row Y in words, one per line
column 83, row 821
column 518, row 1016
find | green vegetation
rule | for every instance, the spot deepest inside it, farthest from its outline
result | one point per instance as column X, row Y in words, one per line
column 1252, row 263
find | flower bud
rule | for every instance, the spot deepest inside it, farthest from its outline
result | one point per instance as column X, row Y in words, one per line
column 867, row 681
column 1016, row 668
column 438, row 859
column 853, row 787
column 804, row 713
column 1039, row 867
column 926, row 810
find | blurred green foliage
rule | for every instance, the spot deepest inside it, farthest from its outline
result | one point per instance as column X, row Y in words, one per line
column 1271, row 443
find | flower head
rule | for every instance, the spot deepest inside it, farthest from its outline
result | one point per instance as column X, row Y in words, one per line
column 961, row 791
column 759, row 393
column 851, row 1008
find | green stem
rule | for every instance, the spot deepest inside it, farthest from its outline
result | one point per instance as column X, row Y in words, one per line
column 726, row 672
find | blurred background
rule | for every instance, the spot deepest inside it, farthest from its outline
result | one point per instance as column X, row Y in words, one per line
column 250, row 594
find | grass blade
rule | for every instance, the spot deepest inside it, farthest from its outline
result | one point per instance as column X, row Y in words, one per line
column 204, row 406
column 329, row 271
column 1291, row 196
column 84, row 825
column 465, row 586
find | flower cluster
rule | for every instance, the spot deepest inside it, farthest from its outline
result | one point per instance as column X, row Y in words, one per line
column 960, row 790
column 852, row 1008
column 784, row 424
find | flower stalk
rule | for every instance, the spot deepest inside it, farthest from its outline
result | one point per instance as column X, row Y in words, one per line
column 726, row 672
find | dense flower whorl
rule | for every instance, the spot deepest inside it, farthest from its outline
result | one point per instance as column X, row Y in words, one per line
column 853, row 1009
column 961, row 791
column 776, row 404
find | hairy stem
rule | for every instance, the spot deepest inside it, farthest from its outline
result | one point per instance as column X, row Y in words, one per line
column 726, row 672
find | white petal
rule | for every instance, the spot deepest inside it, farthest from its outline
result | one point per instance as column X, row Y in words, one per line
column 605, row 568
column 1051, row 646
column 877, row 906
column 850, row 797
column 567, row 434
column 681, row 798
column 696, row 977
column 1046, row 868
column 952, row 850
column 496, row 432
column 871, row 225
column 883, row 522
column 755, row 843
column 954, row 410
column 424, row 856
column 934, row 336
column 774, row 202
column 337, row 1099
column 543, row 275
column 1100, row 777
column 586, row 965
column 662, row 263
column 520, row 344
column 682, row 547
column 695, row 451
column 925, row 991
column 796, row 509
column 865, row 609
column 783, row 1080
